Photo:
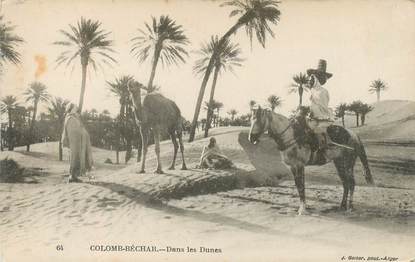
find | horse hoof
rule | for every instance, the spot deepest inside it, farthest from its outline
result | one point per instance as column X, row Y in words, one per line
column 158, row 171
column 349, row 211
column 184, row 168
column 171, row 168
column 141, row 172
column 302, row 211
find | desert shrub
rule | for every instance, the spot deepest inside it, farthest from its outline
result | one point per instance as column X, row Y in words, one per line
column 10, row 171
column 108, row 161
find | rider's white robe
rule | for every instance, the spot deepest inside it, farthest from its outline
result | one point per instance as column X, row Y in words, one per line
column 319, row 103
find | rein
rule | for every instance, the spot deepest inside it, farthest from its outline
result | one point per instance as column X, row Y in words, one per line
column 282, row 146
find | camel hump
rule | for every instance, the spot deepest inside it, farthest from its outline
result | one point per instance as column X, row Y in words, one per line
column 159, row 108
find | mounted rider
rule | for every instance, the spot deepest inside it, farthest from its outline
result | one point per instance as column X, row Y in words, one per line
column 320, row 116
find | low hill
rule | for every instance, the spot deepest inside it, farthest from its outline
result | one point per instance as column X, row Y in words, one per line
column 389, row 120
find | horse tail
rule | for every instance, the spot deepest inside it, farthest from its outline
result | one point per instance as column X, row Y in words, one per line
column 361, row 152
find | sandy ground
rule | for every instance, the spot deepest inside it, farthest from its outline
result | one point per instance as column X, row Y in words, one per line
column 45, row 214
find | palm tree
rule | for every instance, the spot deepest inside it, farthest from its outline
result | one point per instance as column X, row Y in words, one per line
column 341, row 111
column 377, row 86
column 120, row 89
column 364, row 110
column 214, row 106
column 256, row 16
column 8, row 43
column 161, row 40
column 227, row 58
column 58, row 109
column 355, row 107
column 8, row 105
column 300, row 82
column 274, row 101
column 217, row 106
column 252, row 103
column 232, row 113
column 87, row 41
column 35, row 93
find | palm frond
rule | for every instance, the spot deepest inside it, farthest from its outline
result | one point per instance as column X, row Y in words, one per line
column 162, row 33
column 256, row 16
column 86, row 39
column 8, row 43
column 227, row 55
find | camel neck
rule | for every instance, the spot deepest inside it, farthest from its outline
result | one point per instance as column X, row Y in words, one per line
column 136, row 97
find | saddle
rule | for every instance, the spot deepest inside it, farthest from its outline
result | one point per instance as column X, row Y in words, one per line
column 318, row 139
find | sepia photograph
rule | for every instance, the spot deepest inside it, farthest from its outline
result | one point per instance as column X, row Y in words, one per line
column 207, row 130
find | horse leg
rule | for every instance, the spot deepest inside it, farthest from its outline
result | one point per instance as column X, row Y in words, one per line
column 350, row 175
column 298, row 173
column 144, row 141
column 341, row 171
column 157, row 149
column 182, row 150
column 176, row 147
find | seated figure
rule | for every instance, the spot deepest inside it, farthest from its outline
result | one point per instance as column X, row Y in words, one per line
column 213, row 158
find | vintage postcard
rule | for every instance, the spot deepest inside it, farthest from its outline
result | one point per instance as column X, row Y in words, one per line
column 207, row 130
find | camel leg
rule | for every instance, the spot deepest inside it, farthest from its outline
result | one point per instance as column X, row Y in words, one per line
column 176, row 147
column 156, row 132
column 144, row 141
column 298, row 173
column 182, row 151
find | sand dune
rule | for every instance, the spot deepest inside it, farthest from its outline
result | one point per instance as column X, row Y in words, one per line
column 236, row 210
column 390, row 120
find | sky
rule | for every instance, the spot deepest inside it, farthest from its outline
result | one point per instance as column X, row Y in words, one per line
column 361, row 41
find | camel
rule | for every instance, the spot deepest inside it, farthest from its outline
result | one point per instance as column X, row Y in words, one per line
column 157, row 113
column 77, row 139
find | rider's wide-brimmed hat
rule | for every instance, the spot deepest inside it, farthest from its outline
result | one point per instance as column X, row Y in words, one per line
column 321, row 69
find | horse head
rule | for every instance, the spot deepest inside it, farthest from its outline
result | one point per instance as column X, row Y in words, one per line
column 259, row 124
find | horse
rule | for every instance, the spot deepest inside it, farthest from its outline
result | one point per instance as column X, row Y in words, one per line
column 296, row 155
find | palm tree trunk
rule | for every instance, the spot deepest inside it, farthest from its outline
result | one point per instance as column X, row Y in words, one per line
column 209, row 68
column 343, row 120
column 10, row 130
column 212, row 94
column 60, row 150
column 217, row 118
column 357, row 119
column 300, row 94
column 363, row 118
column 83, row 84
column 32, row 125
column 156, row 57
column 128, row 151
column 378, row 95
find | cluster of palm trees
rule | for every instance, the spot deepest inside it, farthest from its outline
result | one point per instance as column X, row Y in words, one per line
column 34, row 94
column 163, row 41
column 359, row 108
column 22, row 126
column 256, row 16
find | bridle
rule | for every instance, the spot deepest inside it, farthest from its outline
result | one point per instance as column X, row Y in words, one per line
column 282, row 145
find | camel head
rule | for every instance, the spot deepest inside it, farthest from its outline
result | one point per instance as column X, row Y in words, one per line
column 135, row 87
